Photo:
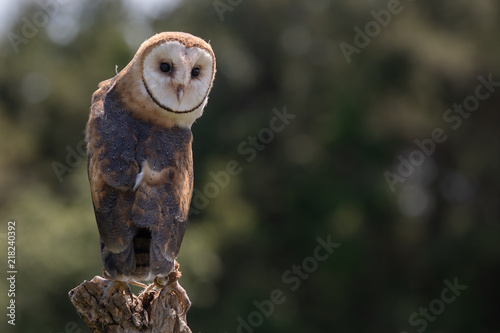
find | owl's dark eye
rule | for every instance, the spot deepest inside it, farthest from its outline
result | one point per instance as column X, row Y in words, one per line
column 164, row 67
column 195, row 72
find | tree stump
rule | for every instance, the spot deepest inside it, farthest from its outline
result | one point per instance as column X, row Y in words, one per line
column 155, row 311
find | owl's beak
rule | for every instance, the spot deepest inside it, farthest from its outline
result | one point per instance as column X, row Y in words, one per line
column 180, row 93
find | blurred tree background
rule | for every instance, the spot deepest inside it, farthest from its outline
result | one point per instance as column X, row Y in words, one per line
column 359, row 101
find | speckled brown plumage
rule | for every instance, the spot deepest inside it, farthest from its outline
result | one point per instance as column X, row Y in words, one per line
column 157, row 209
column 140, row 164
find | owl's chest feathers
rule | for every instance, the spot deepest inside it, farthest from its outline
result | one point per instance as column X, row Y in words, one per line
column 171, row 172
column 164, row 157
column 129, row 148
column 166, row 172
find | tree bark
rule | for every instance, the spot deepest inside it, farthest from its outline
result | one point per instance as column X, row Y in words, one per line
column 156, row 311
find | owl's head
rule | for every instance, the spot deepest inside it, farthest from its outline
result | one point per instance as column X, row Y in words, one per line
column 176, row 74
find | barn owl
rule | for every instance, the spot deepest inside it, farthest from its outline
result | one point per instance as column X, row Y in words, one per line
column 140, row 165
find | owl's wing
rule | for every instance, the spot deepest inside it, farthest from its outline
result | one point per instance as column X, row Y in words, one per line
column 111, row 140
column 112, row 170
column 163, row 195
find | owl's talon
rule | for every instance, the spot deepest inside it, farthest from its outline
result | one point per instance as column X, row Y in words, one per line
column 180, row 292
column 137, row 283
column 148, row 288
column 182, row 296
column 112, row 287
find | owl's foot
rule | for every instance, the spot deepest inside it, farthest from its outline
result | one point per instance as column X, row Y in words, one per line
column 148, row 288
column 171, row 281
column 112, row 287
column 137, row 283
column 178, row 290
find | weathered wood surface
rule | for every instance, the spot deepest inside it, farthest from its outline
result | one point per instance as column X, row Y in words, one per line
column 155, row 311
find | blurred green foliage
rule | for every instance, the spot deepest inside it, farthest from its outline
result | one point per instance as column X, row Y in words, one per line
column 321, row 176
